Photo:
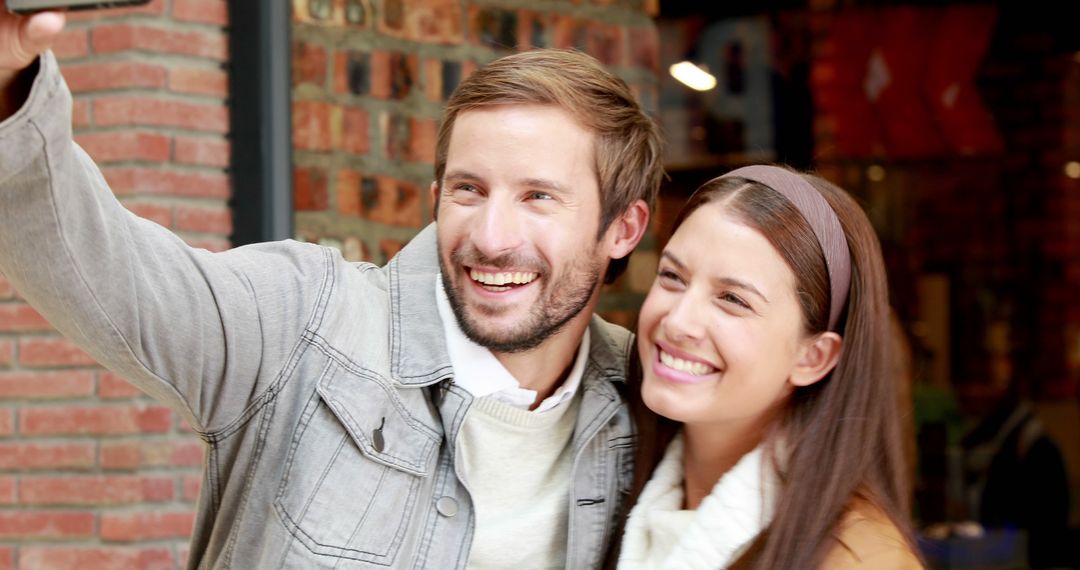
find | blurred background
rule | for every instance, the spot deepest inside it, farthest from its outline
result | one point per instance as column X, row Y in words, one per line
column 956, row 124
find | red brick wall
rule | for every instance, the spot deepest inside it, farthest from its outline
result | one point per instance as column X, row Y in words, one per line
column 92, row 473
column 369, row 82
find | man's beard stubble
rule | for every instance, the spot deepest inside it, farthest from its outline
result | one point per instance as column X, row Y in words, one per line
column 547, row 316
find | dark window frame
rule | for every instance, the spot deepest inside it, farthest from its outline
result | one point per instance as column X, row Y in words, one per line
column 260, row 111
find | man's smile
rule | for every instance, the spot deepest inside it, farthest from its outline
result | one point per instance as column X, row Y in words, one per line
column 501, row 281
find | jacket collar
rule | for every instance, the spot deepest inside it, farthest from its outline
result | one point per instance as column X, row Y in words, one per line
column 418, row 352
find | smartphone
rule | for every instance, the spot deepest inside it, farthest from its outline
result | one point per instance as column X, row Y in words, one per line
column 30, row 6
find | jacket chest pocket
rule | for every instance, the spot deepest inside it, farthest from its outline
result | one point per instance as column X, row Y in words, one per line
column 356, row 464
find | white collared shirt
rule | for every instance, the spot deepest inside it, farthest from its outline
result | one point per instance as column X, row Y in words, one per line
column 478, row 371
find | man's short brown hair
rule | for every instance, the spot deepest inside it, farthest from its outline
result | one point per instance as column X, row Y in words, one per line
column 628, row 158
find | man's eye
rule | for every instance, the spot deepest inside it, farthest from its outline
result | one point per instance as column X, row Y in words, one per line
column 539, row 195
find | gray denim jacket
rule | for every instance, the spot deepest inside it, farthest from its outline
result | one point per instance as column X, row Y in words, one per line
column 322, row 388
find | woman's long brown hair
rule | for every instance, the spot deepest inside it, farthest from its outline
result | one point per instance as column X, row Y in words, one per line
column 843, row 432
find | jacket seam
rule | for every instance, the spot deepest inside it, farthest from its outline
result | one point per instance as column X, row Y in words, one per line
column 281, row 379
column 252, row 468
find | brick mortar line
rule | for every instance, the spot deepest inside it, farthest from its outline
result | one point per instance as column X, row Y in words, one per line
column 162, row 95
column 164, row 21
column 157, row 94
column 101, row 471
column 52, row 334
column 140, row 438
column 169, row 166
column 96, row 541
column 114, row 509
column 91, row 57
column 43, row 403
column 169, row 131
column 81, row 544
column 71, row 439
column 79, row 438
column 149, row 129
column 81, row 475
column 55, row 368
column 140, row 56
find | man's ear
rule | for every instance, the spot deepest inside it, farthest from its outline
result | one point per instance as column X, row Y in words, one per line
column 820, row 354
column 434, row 200
column 627, row 230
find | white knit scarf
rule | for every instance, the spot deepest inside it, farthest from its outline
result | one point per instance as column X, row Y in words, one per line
column 661, row 536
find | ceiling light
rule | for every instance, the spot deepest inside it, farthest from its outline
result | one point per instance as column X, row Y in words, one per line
column 693, row 76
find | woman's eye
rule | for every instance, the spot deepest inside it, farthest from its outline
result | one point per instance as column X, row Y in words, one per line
column 734, row 299
column 668, row 275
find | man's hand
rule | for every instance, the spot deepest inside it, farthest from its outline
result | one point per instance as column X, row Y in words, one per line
column 22, row 40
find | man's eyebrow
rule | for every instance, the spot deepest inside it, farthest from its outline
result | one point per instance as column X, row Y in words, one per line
column 545, row 184
column 538, row 183
column 725, row 281
column 461, row 175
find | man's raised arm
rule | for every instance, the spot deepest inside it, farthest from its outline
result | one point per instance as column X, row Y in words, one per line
column 199, row 330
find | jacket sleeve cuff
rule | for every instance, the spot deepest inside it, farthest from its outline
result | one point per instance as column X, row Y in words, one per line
column 44, row 118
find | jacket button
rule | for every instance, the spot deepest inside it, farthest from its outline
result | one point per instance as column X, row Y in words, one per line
column 446, row 506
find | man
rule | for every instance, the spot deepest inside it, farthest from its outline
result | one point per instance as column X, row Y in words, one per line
column 456, row 408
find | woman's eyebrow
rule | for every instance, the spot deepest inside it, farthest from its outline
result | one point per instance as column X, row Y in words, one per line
column 718, row 281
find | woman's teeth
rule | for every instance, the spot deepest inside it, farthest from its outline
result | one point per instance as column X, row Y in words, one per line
column 689, row 367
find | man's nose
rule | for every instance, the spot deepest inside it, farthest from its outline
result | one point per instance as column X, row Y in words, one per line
column 497, row 230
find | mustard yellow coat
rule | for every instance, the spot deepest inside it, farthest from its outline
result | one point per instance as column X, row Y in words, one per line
column 870, row 541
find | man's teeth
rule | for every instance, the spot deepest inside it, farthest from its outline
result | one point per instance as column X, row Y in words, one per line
column 498, row 279
column 695, row 368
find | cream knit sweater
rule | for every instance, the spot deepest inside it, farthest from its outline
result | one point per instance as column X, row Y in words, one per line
column 661, row 535
column 517, row 466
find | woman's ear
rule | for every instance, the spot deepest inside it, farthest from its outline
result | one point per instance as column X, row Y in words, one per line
column 820, row 354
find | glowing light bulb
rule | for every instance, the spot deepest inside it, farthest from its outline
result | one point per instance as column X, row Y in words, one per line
column 1072, row 169
column 693, row 76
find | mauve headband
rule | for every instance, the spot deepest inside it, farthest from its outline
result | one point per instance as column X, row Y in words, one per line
column 822, row 219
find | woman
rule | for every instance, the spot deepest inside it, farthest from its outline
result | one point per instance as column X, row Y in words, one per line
column 773, row 439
